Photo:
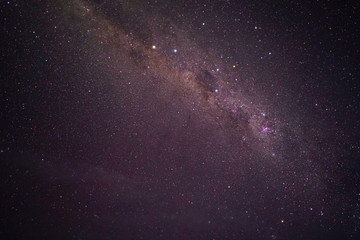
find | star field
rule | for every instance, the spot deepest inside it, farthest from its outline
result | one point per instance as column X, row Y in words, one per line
column 180, row 120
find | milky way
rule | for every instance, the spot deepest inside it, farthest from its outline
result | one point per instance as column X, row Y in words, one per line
column 194, row 77
column 177, row 120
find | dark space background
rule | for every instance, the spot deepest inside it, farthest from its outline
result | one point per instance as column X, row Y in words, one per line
column 180, row 119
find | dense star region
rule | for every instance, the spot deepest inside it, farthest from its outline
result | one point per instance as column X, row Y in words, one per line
column 159, row 119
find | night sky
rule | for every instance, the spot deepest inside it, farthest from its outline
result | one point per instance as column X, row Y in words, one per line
column 180, row 120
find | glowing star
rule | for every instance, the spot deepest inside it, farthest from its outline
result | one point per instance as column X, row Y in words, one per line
column 153, row 47
column 266, row 129
column 234, row 66
column 175, row 50
column 216, row 90
column 282, row 221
